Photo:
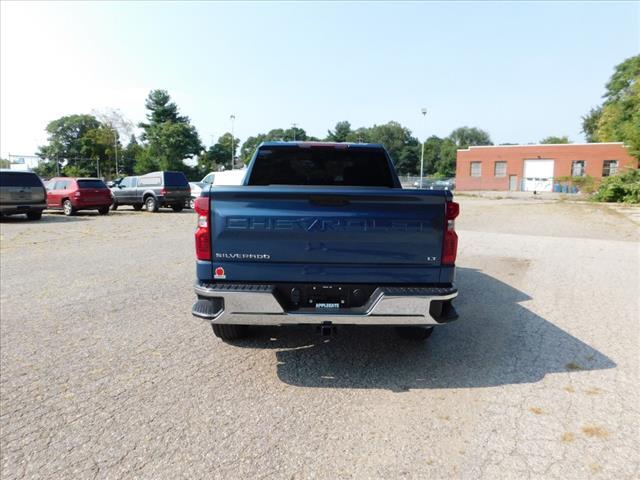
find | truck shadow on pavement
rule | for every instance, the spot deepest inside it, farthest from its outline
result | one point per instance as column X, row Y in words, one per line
column 495, row 342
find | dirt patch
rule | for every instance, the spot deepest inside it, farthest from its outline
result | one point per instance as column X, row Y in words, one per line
column 568, row 437
column 593, row 431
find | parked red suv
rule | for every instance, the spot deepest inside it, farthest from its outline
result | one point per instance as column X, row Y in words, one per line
column 73, row 194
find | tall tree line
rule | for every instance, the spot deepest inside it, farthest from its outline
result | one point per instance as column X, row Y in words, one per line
column 88, row 145
column 84, row 145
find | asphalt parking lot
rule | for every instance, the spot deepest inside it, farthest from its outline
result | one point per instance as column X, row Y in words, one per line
column 105, row 373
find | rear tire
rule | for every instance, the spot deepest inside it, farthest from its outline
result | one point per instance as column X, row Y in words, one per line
column 152, row 204
column 68, row 208
column 192, row 203
column 177, row 208
column 103, row 210
column 415, row 333
column 229, row 332
column 137, row 207
column 114, row 205
column 35, row 215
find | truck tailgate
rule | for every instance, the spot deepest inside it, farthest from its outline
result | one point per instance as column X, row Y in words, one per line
column 314, row 225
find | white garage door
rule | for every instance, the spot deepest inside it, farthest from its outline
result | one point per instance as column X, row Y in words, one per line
column 538, row 175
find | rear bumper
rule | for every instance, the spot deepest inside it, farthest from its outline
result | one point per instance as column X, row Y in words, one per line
column 11, row 209
column 257, row 305
column 173, row 200
column 91, row 205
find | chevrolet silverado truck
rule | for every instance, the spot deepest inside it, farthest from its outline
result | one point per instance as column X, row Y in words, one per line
column 323, row 234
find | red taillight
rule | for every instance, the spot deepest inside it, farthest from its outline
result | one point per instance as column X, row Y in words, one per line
column 450, row 244
column 163, row 191
column 77, row 194
column 203, row 234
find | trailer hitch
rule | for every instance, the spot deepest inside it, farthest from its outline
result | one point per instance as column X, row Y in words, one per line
column 326, row 329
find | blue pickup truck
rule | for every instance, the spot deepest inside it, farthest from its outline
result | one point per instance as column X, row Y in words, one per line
column 322, row 233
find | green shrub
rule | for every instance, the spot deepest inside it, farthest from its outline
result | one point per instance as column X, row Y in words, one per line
column 624, row 187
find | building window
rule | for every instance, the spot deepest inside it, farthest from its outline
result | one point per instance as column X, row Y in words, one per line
column 476, row 169
column 610, row 167
column 500, row 169
column 577, row 168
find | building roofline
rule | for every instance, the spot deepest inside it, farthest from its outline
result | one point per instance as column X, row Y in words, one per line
column 540, row 145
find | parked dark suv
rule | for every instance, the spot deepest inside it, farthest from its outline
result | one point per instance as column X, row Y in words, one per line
column 154, row 190
column 22, row 192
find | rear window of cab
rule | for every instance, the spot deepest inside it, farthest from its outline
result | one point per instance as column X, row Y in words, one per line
column 91, row 184
column 175, row 179
column 19, row 179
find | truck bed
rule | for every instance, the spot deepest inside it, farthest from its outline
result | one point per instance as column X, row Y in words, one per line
column 364, row 235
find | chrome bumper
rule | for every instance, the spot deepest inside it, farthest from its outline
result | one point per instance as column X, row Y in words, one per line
column 257, row 305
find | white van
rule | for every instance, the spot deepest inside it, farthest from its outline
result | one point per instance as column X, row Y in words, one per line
column 228, row 177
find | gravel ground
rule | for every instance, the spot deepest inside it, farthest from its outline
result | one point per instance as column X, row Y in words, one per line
column 105, row 374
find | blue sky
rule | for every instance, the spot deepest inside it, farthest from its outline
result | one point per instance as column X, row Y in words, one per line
column 521, row 71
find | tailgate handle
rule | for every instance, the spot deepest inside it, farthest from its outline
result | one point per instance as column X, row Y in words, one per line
column 330, row 201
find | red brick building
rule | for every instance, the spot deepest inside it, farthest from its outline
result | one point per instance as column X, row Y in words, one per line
column 534, row 167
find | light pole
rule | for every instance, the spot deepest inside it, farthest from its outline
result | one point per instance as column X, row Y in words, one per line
column 294, row 125
column 115, row 146
column 233, row 119
column 424, row 116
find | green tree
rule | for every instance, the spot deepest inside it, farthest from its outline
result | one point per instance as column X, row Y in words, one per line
column 590, row 124
column 64, row 140
column 446, row 164
column 555, row 140
column 219, row 154
column 145, row 163
column 396, row 139
column 250, row 145
column 169, row 137
column 4, row 163
column 618, row 118
column 129, row 156
column 432, row 149
column 98, row 154
column 294, row 133
column 340, row 132
column 274, row 135
column 79, row 145
column 464, row 137
column 161, row 110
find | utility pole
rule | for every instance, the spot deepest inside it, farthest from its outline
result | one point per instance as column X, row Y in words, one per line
column 424, row 116
column 233, row 119
column 294, row 125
